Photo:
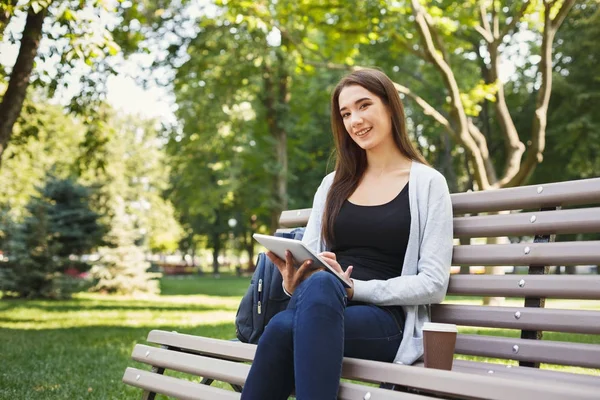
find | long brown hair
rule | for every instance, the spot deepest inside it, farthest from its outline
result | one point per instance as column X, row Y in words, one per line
column 351, row 160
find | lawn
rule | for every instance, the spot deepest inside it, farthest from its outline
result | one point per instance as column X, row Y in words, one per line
column 78, row 349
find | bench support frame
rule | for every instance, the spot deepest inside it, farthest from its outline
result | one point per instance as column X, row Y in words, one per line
column 157, row 370
column 537, row 302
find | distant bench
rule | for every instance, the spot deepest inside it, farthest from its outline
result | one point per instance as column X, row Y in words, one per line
column 537, row 212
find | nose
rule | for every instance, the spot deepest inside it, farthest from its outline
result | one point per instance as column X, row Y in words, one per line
column 355, row 120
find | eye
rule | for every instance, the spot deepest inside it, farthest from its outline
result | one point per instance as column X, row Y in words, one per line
column 344, row 115
column 364, row 105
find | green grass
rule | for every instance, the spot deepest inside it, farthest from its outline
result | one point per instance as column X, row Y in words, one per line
column 79, row 349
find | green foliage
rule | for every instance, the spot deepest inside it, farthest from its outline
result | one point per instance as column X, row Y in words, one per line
column 44, row 139
column 573, row 142
column 132, row 169
column 59, row 226
column 75, row 227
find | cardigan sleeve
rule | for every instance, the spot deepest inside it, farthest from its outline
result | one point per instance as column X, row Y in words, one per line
column 430, row 283
column 312, row 234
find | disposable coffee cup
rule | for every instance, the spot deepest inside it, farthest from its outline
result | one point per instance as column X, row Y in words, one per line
column 438, row 342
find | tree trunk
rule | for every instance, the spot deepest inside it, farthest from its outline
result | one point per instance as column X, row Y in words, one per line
column 216, row 251
column 248, row 245
column 13, row 99
column 465, row 269
column 277, row 97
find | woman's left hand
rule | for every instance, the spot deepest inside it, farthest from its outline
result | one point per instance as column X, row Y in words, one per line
column 331, row 259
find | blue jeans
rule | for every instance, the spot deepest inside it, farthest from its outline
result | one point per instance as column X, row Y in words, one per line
column 303, row 346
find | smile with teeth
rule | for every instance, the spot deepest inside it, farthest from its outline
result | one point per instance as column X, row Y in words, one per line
column 363, row 132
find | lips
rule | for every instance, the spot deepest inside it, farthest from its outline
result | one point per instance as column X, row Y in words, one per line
column 363, row 132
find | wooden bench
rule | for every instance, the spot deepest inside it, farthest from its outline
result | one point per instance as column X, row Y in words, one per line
column 537, row 214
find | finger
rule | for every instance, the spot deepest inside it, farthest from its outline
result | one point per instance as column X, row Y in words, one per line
column 289, row 260
column 328, row 254
column 348, row 272
column 334, row 265
column 279, row 263
column 305, row 270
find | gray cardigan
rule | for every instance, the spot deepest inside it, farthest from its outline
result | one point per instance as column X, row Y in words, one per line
column 426, row 268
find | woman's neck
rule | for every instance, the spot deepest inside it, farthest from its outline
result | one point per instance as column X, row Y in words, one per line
column 385, row 159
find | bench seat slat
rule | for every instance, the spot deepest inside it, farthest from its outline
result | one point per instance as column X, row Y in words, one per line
column 461, row 384
column 236, row 373
column 560, row 253
column 544, row 351
column 549, row 286
column 528, row 318
column 353, row 391
column 526, row 373
column 353, row 368
column 583, row 191
column 221, row 370
column 177, row 388
column 583, row 220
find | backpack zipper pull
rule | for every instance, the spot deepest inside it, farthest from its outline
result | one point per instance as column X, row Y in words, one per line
column 259, row 305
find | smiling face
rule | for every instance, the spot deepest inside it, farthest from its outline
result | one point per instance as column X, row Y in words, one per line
column 366, row 118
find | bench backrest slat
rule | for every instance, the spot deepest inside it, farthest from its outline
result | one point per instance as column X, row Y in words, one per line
column 545, row 351
column 558, row 253
column 523, row 318
column 584, row 191
column 208, row 346
column 583, row 220
column 294, row 218
column 547, row 286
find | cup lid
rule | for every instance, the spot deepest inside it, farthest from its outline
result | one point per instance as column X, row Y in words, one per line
column 433, row 326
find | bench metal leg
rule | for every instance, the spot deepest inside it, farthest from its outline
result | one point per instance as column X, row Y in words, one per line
column 537, row 302
column 151, row 395
column 209, row 381
column 405, row 389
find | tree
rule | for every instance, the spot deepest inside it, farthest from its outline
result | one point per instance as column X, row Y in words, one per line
column 59, row 225
column 573, row 150
column 44, row 139
column 84, row 41
column 132, row 168
column 442, row 36
column 122, row 267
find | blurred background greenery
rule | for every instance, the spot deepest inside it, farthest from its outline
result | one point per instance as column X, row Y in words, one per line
column 169, row 131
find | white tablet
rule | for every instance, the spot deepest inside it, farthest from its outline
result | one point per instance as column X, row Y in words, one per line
column 300, row 253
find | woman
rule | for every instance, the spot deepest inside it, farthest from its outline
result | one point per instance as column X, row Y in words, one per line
column 384, row 218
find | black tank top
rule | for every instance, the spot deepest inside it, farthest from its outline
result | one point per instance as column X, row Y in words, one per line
column 373, row 239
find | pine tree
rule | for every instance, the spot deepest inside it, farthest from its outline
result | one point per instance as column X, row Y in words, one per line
column 122, row 268
column 42, row 246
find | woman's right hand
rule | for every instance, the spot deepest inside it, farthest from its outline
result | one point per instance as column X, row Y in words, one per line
column 292, row 276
